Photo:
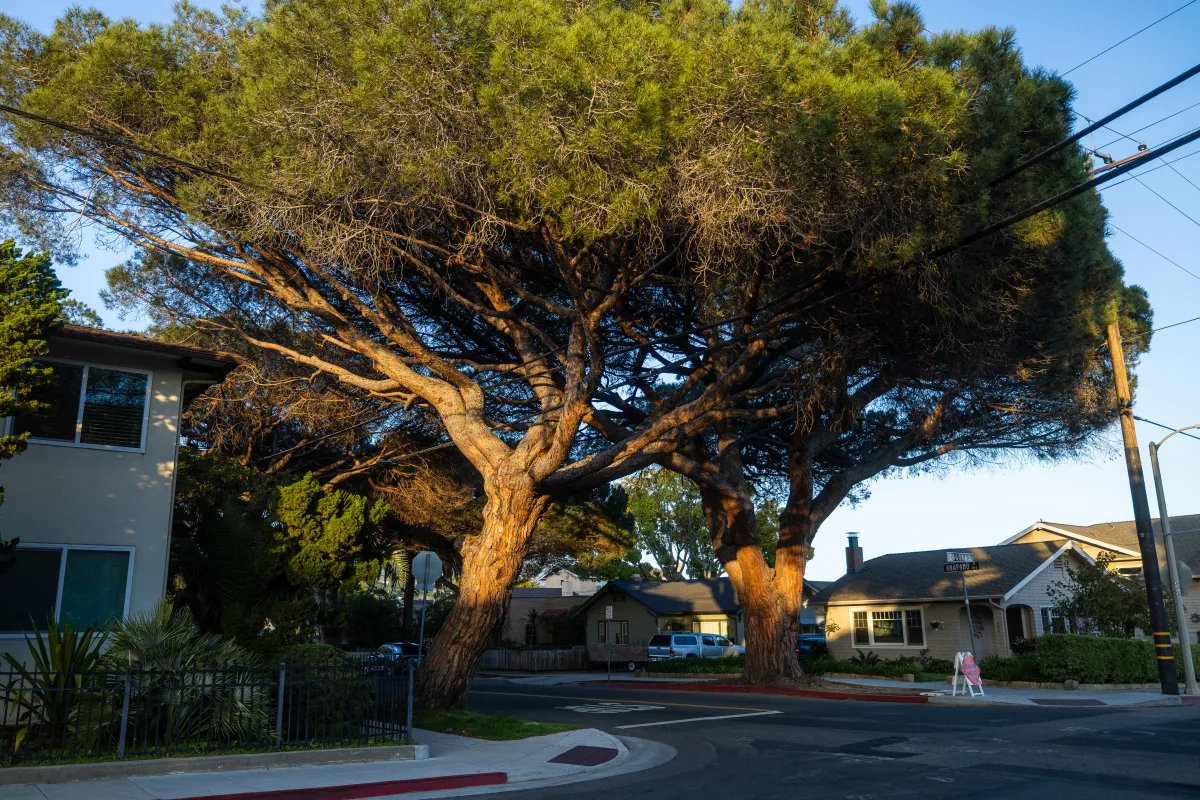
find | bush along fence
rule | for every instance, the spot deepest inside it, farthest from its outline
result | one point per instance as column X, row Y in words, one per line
column 123, row 713
column 1087, row 659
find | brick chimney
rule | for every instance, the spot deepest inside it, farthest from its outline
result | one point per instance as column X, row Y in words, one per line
column 854, row 554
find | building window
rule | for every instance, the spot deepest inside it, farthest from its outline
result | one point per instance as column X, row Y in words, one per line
column 861, row 634
column 1053, row 621
column 530, row 635
column 886, row 627
column 898, row 627
column 602, row 632
column 914, row 626
column 89, row 406
column 87, row 585
column 621, row 628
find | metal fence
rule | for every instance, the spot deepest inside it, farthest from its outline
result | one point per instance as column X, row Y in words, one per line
column 118, row 713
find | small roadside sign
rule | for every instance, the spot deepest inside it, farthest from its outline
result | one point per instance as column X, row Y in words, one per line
column 960, row 566
column 958, row 557
column 608, row 612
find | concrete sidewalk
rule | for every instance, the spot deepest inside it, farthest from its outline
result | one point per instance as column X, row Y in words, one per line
column 1031, row 697
column 457, row 766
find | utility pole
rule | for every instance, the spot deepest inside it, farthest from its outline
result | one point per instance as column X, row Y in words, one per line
column 1168, row 678
column 1177, row 585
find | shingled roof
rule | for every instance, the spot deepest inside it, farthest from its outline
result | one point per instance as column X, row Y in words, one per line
column 1124, row 534
column 700, row 596
column 919, row 576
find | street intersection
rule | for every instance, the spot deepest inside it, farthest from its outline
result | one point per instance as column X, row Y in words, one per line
column 766, row 746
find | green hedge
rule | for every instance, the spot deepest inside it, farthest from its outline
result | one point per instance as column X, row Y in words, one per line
column 1100, row 659
column 1024, row 667
column 924, row 670
column 730, row 665
column 1088, row 659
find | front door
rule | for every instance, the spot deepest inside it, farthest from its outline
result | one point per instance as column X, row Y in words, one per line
column 1014, row 616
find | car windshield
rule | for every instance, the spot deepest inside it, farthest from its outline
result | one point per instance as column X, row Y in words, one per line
column 660, row 641
column 721, row 640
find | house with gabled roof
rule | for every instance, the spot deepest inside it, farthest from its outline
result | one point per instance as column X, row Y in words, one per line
column 1120, row 540
column 901, row 604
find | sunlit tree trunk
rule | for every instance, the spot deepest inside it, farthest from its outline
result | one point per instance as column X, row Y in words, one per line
column 491, row 565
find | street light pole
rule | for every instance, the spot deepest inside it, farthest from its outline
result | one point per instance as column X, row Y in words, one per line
column 1185, row 644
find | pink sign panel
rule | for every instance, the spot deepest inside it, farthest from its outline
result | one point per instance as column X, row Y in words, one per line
column 971, row 670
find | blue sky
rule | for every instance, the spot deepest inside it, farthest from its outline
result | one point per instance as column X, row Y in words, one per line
column 988, row 505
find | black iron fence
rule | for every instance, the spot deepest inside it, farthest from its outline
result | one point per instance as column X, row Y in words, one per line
column 119, row 713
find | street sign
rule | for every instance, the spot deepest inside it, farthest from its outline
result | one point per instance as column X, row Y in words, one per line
column 426, row 569
column 608, row 612
column 1184, row 572
column 958, row 557
column 960, row 566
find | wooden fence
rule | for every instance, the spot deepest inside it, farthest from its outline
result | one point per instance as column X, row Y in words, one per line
column 574, row 658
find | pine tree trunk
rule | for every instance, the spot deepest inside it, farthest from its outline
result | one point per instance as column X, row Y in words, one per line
column 491, row 564
column 769, row 634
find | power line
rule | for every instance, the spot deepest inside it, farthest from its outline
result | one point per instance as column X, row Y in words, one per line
column 1176, row 324
column 1075, row 137
column 1152, row 250
column 1168, row 202
column 1127, row 38
column 1129, row 136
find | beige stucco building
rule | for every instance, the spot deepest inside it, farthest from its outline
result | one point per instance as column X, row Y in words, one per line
column 901, row 604
column 91, row 497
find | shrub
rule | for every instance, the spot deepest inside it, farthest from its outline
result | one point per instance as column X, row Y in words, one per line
column 194, row 684
column 1022, row 645
column 1023, row 667
column 50, row 693
column 310, row 654
column 865, row 659
column 729, row 665
column 1100, row 659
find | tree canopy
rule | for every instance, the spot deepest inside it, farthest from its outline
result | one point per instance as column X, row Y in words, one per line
column 589, row 238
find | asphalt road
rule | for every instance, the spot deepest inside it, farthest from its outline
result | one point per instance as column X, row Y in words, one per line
column 759, row 746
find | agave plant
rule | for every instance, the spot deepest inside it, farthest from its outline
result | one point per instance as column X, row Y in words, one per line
column 189, row 685
column 58, row 692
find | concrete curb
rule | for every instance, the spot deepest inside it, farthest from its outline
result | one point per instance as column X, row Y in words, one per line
column 64, row 773
column 354, row 791
column 637, row 755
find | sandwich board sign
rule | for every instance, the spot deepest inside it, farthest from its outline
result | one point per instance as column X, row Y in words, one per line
column 966, row 669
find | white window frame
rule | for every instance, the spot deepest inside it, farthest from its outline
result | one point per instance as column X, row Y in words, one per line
column 62, row 576
column 903, row 626
column 87, row 365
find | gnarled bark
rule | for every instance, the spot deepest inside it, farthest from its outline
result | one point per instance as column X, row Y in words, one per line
column 770, row 628
column 491, row 564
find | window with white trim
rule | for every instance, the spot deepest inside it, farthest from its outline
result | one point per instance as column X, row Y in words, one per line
column 888, row 627
column 92, row 406
column 87, row 585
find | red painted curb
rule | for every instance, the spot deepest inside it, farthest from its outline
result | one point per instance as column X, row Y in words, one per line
column 780, row 690
column 351, row 791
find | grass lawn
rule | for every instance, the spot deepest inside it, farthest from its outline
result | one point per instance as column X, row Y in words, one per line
column 494, row 727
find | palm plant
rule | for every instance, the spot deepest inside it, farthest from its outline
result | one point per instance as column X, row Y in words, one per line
column 188, row 683
column 60, row 681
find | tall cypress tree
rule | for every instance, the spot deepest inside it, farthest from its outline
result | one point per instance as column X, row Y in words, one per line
column 30, row 302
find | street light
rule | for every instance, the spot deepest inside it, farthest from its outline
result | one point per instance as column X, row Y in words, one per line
column 1189, row 668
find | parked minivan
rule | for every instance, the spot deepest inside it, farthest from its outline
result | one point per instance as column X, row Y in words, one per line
column 690, row 645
